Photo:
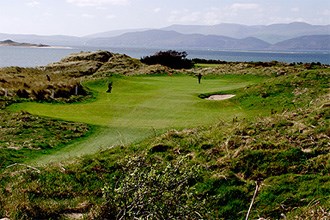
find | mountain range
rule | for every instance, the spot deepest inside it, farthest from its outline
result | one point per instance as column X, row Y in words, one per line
column 270, row 33
column 172, row 39
column 277, row 37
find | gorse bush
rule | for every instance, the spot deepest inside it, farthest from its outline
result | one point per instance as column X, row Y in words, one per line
column 170, row 58
column 154, row 191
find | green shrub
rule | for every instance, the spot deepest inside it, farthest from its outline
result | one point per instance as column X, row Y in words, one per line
column 156, row 191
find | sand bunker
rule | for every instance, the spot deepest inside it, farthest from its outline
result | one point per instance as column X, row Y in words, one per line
column 220, row 97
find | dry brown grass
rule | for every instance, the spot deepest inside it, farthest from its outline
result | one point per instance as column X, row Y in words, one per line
column 37, row 84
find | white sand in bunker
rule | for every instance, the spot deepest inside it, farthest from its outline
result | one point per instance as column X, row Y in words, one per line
column 220, row 97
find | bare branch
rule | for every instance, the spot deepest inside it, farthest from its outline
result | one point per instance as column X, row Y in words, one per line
column 24, row 165
column 252, row 201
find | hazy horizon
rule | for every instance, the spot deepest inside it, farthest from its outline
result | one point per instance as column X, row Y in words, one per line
column 84, row 17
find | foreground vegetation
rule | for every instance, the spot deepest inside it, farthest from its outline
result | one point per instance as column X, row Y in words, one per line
column 205, row 172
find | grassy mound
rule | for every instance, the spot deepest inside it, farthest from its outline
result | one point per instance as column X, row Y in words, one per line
column 200, row 173
column 23, row 136
column 98, row 64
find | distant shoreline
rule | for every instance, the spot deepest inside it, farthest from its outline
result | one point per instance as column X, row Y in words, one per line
column 17, row 44
column 41, row 47
column 10, row 43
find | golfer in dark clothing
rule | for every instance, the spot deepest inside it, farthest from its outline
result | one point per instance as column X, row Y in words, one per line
column 199, row 76
column 109, row 87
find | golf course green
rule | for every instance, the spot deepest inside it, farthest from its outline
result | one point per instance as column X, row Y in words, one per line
column 141, row 106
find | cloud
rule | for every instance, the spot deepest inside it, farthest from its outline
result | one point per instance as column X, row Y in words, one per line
column 184, row 16
column 156, row 10
column 211, row 18
column 83, row 3
column 214, row 15
column 33, row 3
column 245, row 6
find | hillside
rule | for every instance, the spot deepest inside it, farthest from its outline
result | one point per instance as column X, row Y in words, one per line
column 313, row 43
column 113, row 33
column 206, row 172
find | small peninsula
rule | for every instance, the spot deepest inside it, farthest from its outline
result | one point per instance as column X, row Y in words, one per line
column 17, row 44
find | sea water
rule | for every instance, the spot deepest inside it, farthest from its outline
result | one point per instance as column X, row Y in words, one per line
column 32, row 57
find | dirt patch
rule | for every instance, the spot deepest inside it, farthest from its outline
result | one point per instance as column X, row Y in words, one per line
column 220, row 97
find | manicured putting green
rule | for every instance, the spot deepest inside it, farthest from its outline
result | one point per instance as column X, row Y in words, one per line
column 140, row 105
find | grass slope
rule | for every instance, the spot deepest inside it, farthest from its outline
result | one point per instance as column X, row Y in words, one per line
column 23, row 136
column 208, row 172
column 139, row 106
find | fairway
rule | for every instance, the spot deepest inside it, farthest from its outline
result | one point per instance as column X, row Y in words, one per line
column 139, row 106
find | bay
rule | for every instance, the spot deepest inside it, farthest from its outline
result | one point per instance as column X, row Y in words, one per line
column 32, row 57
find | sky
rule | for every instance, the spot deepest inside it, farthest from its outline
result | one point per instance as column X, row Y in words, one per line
column 84, row 17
